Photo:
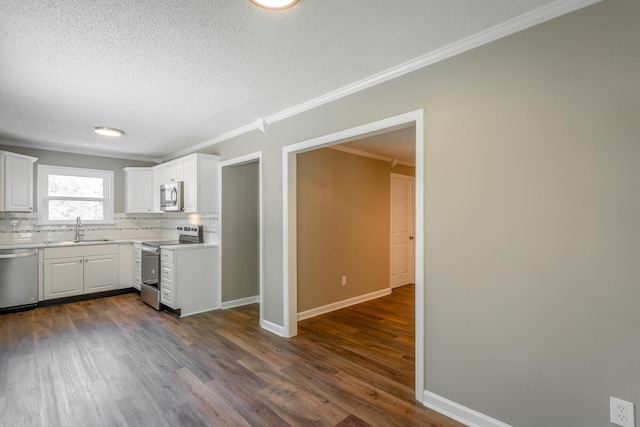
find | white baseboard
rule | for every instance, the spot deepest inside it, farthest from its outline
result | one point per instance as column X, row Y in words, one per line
column 342, row 304
column 272, row 327
column 185, row 314
column 240, row 302
column 466, row 416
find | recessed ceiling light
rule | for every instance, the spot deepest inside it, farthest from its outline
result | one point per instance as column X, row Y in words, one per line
column 108, row 131
column 275, row 4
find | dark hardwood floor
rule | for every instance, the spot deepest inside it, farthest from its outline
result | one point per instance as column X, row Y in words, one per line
column 117, row 362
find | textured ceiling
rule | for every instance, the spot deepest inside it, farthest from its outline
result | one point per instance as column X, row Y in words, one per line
column 174, row 74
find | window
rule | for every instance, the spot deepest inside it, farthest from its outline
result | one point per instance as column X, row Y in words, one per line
column 67, row 193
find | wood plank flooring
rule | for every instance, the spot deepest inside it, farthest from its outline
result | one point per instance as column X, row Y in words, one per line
column 117, row 362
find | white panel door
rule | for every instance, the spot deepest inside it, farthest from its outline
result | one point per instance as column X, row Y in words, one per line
column 402, row 230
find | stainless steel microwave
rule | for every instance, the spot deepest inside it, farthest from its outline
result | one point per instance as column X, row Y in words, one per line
column 171, row 197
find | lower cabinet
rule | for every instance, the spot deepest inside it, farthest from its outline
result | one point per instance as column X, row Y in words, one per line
column 80, row 270
column 167, row 279
column 137, row 266
column 189, row 279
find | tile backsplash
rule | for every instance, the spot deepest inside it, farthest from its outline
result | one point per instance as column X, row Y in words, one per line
column 18, row 228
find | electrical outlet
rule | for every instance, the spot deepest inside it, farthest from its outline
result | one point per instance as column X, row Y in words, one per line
column 344, row 280
column 621, row 412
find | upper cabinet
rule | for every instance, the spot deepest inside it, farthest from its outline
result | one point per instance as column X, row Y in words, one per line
column 199, row 173
column 201, row 183
column 16, row 182
column 137, row 184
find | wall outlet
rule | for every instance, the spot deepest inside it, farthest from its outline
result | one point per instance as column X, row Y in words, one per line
column 621, row 412
column 344, row 280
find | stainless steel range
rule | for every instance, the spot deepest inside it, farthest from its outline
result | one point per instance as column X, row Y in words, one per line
column 150, row 288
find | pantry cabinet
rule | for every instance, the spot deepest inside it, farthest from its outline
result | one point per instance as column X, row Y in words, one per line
column 16, row 182
column 79, row 270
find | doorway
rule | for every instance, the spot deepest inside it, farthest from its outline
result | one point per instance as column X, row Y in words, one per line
column 289, row 158
column 240, row 251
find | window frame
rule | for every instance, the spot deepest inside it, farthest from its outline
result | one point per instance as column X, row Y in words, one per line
column 43, row 198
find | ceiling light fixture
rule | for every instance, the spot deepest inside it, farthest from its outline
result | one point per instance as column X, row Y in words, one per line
column 107, row 131
column 274, row 4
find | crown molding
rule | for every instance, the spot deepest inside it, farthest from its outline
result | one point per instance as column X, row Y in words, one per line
column 520, row 23
column 370, row 155
column 67, row 149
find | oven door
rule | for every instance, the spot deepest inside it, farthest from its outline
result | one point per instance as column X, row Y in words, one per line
column 149, row 290
column 150, row 266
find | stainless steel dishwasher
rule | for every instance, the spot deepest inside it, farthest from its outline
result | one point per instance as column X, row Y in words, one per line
column 18, row 278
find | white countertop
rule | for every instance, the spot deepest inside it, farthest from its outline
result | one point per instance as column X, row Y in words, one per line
column 190, row 246
column 64, row 244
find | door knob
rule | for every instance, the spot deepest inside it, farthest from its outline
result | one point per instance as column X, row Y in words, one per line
column 411, row 237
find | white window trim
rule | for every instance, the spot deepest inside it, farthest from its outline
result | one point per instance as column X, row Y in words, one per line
column 43, row 201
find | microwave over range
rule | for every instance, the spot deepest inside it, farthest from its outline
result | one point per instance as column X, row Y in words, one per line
column 171, row 197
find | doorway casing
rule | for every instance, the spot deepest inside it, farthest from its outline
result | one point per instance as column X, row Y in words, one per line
column 289, row 175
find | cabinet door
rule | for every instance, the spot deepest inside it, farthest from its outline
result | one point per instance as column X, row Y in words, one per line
column 174, row 172
column 18, row 184
column 158, row 178
column 191, row 185
column 63, row 277
column 138, row 191
column 100, row 273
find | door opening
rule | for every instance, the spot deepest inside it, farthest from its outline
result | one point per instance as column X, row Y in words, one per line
column 290, row 224
column 240, row 249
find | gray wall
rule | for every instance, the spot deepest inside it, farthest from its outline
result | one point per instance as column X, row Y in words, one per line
column 239, row 222
column 532, row 215
column 46, row 157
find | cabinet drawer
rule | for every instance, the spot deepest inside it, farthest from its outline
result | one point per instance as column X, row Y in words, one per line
column 166, row 273
column 167, row 295
column 166, row 256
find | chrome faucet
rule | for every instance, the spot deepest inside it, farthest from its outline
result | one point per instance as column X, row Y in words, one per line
column 79, row 233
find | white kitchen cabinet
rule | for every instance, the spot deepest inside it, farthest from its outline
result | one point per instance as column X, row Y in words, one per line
column 189, row 279
column 137, row 266
column 174, row 171
column 201, row 183
column 100, row 273
column 125, row 265
column 63, row 277
column 157, row 179
column 167, row 279
column 198, row 171
column 138, row 185
column 78, row 270
column 16, row 182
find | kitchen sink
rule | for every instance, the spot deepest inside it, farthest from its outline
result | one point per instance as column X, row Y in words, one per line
column 75, row 242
